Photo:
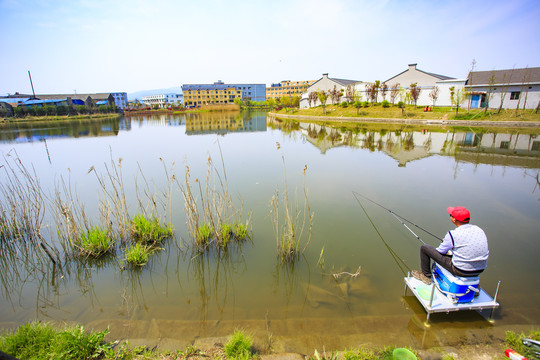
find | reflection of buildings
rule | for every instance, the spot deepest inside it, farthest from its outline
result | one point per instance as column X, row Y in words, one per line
column 406, row 146
column 35, row 131
column 221, row 93
column 223, row 123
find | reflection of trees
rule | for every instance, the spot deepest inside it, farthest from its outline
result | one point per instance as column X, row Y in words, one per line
column 368, row 142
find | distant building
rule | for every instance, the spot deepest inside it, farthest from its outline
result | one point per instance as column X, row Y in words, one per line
column 163, row 100
column 325, row 84
column 510, row 88
column 221, row 93
column 117, row 98
column 288, row 88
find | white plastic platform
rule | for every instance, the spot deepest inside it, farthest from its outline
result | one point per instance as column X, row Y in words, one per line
column 438, row 302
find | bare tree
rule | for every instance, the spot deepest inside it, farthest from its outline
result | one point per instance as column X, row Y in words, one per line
column 384, row 89
column 473, row 65
column 349, row 93
column 414, row 90
column 312, row 98
column 335, row 95
column 524, row 86
column 394, row 91
column 504, row 88
column 489, row 94
column 434, row 94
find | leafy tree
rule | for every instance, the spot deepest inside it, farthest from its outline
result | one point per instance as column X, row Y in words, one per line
column 322, row 96
column 414, row 91
column 434, row 94
column 457, row 96
column 270, row 102
column 357, row 105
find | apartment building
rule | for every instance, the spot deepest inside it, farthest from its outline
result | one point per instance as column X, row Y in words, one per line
column 163, row 100
column 288, row 88
column 221, row 93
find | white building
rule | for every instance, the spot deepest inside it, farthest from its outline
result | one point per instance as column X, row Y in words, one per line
column 163, row 100
column 508, row 89
column 325, row 84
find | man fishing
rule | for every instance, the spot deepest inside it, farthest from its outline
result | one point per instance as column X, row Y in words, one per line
column 463, row 252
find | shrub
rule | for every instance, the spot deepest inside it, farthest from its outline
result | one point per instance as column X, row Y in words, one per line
column 365, row 104
column 239, row 346
column 344, row 104
column 385, row 104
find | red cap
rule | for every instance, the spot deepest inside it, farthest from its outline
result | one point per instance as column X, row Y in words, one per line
column 459, row 213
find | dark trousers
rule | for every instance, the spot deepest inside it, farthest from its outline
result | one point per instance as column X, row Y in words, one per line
column 428, row 252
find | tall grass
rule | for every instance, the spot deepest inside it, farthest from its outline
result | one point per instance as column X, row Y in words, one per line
column 289, row 231
column 138, row 254
column 239, row 346
column 211, row 215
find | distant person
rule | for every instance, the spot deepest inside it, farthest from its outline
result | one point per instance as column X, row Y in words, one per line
column 463, row 252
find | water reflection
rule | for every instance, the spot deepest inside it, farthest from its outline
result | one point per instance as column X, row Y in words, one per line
column 223, row 123
column 494, row 148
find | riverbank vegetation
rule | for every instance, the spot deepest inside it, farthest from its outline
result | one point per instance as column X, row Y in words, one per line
column 38, row 340
column 386, row 110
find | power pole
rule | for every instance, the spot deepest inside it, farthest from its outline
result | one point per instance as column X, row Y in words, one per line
column 30, row 76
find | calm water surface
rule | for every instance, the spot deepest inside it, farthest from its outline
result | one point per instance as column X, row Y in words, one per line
column 182, row 296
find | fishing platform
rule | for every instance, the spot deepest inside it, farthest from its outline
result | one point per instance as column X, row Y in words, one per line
column 436, row 299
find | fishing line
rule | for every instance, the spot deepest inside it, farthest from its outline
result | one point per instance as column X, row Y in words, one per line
column 390, row 250
column 399, row 218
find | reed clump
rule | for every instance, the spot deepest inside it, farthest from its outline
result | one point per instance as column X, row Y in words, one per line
column 213, row 219
column 290, row 231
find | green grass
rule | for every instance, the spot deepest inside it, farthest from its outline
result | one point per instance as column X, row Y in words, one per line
column 95, row 242
column 239, row 346
column 226, row 232
column 138, row 254
column 513, row 341
column 204, row 234
column 149, row 230
column 38, row 340
column 240, row 231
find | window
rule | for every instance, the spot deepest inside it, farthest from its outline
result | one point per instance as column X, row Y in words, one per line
column 505, row 144
column 535, row 146
column 514, row 95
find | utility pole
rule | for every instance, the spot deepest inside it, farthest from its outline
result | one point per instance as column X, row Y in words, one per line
column 30, row 76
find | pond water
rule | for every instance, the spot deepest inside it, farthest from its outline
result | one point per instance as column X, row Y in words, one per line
column 181, row 295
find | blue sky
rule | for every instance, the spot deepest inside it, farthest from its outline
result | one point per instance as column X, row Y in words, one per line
column 101, row 46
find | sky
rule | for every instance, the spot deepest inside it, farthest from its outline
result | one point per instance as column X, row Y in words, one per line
column 89, row 46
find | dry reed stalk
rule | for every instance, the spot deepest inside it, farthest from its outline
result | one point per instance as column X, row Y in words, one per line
column 23, row 208
column 290, row 233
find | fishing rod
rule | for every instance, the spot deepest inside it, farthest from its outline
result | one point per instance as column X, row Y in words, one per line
column 394, row 255
column 400, row 218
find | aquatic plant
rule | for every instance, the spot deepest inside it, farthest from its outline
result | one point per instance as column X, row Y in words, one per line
column 37, row 340
column 95, row 241
column 149, row 230
column 204, row 235
column 239, row 346
column 240, row 231
column 211, row 213
column 289, row 233
column 137, row 254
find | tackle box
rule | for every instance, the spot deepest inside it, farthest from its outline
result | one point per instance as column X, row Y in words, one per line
column 459, row 289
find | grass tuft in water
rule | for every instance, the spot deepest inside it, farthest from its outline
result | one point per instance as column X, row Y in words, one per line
column 38, row 340
column 239, row 346
column 137, row 254
column 95, row 242
column 204, row 235
column 149, row 230
column 240, row 231
column 226, row 233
